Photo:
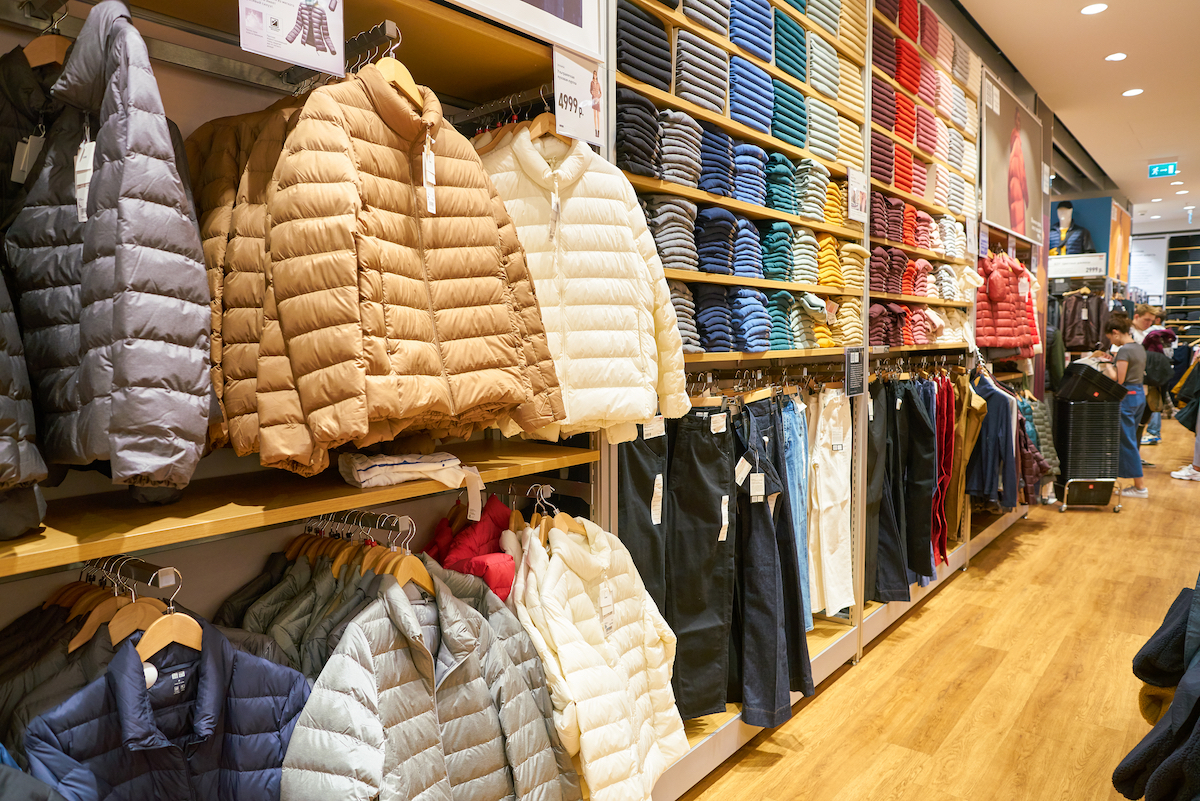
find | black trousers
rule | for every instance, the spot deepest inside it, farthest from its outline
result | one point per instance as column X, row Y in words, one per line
column 639, row 464
column 886, row 553
column 920, row 481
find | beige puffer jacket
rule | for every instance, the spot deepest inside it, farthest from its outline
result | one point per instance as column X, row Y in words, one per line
column 394, row 318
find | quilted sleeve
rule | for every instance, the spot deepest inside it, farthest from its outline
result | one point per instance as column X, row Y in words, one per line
column 337, row 748
column 535, row 678
column 672, row 393
column 313, row 214
column 660, row 663
column 545, row 405
column 47, row 763
column 535, row 774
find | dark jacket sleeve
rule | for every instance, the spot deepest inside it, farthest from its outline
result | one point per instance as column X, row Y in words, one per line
column 49, row 764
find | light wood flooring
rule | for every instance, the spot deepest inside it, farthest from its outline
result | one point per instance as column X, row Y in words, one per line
column 1012, row 682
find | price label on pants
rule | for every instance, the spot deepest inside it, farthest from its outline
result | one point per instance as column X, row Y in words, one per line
column 580, row 97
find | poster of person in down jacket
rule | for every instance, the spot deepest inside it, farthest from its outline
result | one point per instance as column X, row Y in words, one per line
column 1013, row 196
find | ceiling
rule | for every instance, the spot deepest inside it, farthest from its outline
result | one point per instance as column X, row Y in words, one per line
column 1061, row 53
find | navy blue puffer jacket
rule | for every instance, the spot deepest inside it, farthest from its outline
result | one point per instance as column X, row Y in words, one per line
column 214, row 726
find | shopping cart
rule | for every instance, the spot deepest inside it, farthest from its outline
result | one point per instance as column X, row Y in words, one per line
column 1087, row 436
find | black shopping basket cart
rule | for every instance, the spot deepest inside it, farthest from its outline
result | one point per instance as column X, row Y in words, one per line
column 1087, row 436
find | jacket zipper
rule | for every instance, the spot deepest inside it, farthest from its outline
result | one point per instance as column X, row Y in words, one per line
column 418, row 148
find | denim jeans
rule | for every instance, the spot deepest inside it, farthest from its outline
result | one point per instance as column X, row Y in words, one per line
column 795, row 454
column 1132, row 406
column 1154, row 429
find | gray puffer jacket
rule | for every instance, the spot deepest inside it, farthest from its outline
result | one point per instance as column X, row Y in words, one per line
column 114, row 309
column 420, row 701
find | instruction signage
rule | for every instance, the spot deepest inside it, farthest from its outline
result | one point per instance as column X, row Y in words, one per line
column 856, row 362
column 1165, row 170
column 579, row 97
column 308, row 33
column 860, row 197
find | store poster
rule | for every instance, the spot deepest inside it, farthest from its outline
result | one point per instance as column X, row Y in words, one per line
column 308, row 33
column 579, row 93
column 1120, row 233
column 1012, row 162
column 573, row 24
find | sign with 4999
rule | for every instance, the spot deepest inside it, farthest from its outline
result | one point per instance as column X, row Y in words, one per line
column 580, row 93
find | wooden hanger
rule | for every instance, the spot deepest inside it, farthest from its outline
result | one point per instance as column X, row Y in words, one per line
column 89, row 601
column 411, row 568
column 759, row 394
column 544, row 124
column 398, row 75
column 49, row 47
column 173, row 627
column 103, row 613
column 504, row 130
column 564, row 522
column 136, row 616
column 516, row 522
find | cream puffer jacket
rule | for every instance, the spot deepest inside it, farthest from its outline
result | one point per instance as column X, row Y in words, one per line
column 420, row 700
column 609, row 672
column 609, row 319
column 396, row 318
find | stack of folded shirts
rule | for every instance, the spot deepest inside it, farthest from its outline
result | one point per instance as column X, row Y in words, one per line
column 880, row 267
column 854, row 267
column 928, row 88
column 826, row 13
column 935, row 238
column 957, row 328
column 824, row 75
column 920, row 177
column 799, row 5
column 701, row 72
column 802, row 320
column 899, row 325
column 823, row 130
column 878, row 226
column 975, row 75
column 958, row 194
column 850, row 143
column 970, row 160
column 926, row 138
column 946, row 282
column 804, row 256
column 776, row 240
column 852, row 30
column 679, row 145
column 920, row 286
column 899, row 263
column 919, row 325
column 781, row 184
column 954, row 239
column 817, row 322
column 910, row 20
column 712, row 14
column 780, row 307
column 637, row 147
column 879, row 328
column 850, row 85
column 972, row 126
column 643, row 49
column 955, row 147
column 961, row 66
column 903, row 169
column 910, row 226
column 715, row 230
column 747, row 250
column 883, row 49
column 888, row 8
column 945, row 50
column 941, row 189
column 942, row 149
column 895, row 219
column 829, row 263
column 906, row 279
column 969, row 209
column 924, row 231
column 791, row 48
column 929, row 29
column 945, row 104
column 714, row 318
column 750, row 26
column 751, row 322
column 908, row 66
column 789, row 117
column 751, row 96
column 716, row 161
column 750, row 173
column 835, row 204
column 883, row 103
column 672, row 221
column 849, row 322
column 958, row 111
column 812, row 178
column 906, row 118
column 685, row 315
column 882, row 157
column 832, row 307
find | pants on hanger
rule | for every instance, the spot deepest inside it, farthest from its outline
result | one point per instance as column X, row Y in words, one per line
column 1132, row 406
column 641, row 464
column 831, row 457
column 885, row 577
column 914, row 475
column 795, row 446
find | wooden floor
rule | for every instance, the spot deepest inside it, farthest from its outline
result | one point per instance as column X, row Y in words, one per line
column 1012, row 682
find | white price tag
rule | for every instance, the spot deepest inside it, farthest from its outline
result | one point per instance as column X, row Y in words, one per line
column 724, row 519
column 607, row 619
column 716, row 423
column 428, row 162
column 24, row 157
column 657, row 427
column 859, row 199
column 837, row 435
column 1083, row 313
column 579, row 92
column 758, row 487
column 899, row 403
column 871, row 412
column 656, row 501
column 741, row 471
column 1012, row 246
column 1023, row 287
column 84, row 160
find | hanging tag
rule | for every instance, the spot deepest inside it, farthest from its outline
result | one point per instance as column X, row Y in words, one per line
column 1023, row 286
column 742, row 470
column 724, row 519
column 1083, row 315
column 656, row 501
column 870, row 412
column 607, row 619
column 84, row 159
column 554, row 210
column 657, row 427
column 837, row 436
column 150, row 672
column 758, row 487
column 26, row 154
column 428, row 162
column 716, row 423
column 899, row 403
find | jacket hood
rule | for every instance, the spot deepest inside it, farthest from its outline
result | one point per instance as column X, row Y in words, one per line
column 84, row 78
column 395, row 110
column 570, row 161
column 26, row 89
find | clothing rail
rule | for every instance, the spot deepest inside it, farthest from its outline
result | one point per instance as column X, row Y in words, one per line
column 371, row 520
column 514, row 101
column 575, row 489
column 136, row 570
column 383, row 35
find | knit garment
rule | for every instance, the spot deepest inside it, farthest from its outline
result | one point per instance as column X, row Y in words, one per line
column 929, row 29
column 928, row 87
column 897, row 267
column 812, row 178
column 637, row 141
column 781, row 184
column 813, row 325
column 712, row 14
column 750, row 27
column 879, row 269
column 751, row 322
column 643, row 49
column 972, row 127
column 945, row 48
column 854, row 266
column 888, row 8
column 908, row 66
column 945, row 104
column 824, row 75
column 671, row 221
column 941, row 150
column 716, row 161
column 751, row 94
column 909, row 236
column 926, row 139
column 895, row 219
column 791, row 46
column 852, row 28
column 906, row 118
column 823, row 131
column 849, row 322
column 747, row 250
column 910, row 21
column 850, row 85
column 902, row 169
column 959, row 99
column 882, row 157
column 780, row 307
column 850, row 143
column 826, row 13
column 970, row 160
column 878, row 215
column 883, row 50
column 714, row 318
column 776, row 238
column 829, row 262
column 749, row 173
column 715, row 230
column 701, row 72
column 789, row 115
column 685, row 316
column 679, row 144
column 920, row 176
column 804, row 256
column 923, row 230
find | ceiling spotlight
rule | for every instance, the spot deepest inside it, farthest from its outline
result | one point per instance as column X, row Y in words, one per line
column 1176, row 183
column 1182, row 192
column 1094, row 8
column 1132, row 92
column 1156, row 216
column 1116, row 57
column 1157, row 200
column 1188, row 208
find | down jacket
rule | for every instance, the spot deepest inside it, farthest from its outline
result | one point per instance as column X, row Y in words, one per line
column 214, row 727
column 1001, row 319
column 114, row 309
column 612, row 329
column 420, row 701
column 394, row 317
column 611, row 684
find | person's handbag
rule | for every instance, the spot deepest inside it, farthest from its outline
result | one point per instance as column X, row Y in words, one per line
column 1187, row 417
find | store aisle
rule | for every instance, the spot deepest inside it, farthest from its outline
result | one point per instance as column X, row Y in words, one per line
column 1012, row 682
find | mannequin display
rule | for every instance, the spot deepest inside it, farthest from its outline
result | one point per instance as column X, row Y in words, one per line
column 1069, row 238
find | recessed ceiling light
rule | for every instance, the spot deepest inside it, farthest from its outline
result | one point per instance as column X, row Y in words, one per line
column 1188, row 208
column 1094, row 8
column 1176, row 183
column 1116, row 57
column 1132, row 92
column 1156, row 216
column 1157, row 200
column 1182, row 192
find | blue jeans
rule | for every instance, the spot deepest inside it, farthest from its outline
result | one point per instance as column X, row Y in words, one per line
column 1154, row 429
column 1132, row 406
column 795, row 453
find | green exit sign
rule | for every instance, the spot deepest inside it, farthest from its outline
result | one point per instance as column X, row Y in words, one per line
column 1164, row 170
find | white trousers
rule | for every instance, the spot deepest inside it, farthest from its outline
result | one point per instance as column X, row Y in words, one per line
column 831, row 550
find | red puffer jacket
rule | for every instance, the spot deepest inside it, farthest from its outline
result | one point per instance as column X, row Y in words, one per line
column 476, row 551
column 1001, row 319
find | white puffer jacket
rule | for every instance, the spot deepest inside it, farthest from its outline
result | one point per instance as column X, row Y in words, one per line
column 607, row 311
column 613, row 702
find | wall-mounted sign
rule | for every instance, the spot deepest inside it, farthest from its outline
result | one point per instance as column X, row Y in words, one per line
column 1012, row 162
column 1166, row 170
column 1085, row 265
column 579, row 90
column 304, row 32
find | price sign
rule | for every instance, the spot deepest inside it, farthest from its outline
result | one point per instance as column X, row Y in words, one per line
column 580, row 99
column 972, row 235
column 860, row 197
column 983, row 240
column 855, row 365
column 307, row 33
column 1012, row 246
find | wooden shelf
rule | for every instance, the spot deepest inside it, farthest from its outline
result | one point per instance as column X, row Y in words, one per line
column 809, row 25
column 1009, row 376
column 730, row 126
column 951, row 304
column 899, row 34
column 659, row 186
column 694, row 277
column 883, row 76
column 78, row 529
column 734, row 356
column 919, row 348
column 678, row 19
column 916, row 200
column 921, row 253
column 918, row 154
